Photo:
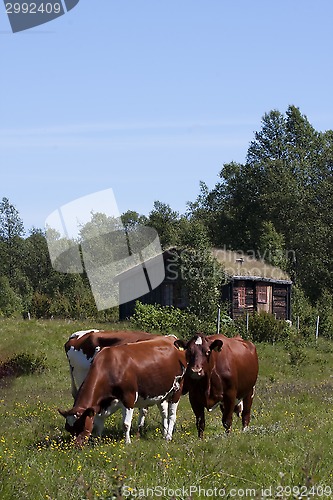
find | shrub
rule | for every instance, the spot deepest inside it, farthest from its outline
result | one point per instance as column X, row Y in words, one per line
column 169, row 319
column 22, row 364
column 263, row 327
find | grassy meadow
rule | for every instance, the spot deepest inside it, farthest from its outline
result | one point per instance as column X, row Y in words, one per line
column 287, row 453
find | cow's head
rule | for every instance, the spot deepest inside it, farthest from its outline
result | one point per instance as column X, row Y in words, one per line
column 198, row 352
column 79, row 423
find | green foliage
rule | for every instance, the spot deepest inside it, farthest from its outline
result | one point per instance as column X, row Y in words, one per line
column 325, row 312
column 203, row 277
column 295, row 347
column 303, row 313
column 10, row 301
column 11, row 225
column 166, row 222
column 279, row 203
column 263, row 327
column 40, row 305
column 168, row 319
column 272, row 246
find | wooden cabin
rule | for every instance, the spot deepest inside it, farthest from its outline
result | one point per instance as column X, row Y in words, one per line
column 251, row 285
column 254, row 285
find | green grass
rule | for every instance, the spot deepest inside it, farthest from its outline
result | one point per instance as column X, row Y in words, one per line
column 288, row 444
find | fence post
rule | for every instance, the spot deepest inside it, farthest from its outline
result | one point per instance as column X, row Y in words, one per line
column 317, row 328
column 247, row 322
column 218, row 318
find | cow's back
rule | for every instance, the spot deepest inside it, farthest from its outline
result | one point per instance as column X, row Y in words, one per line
column 150, row 368
column 82, row 347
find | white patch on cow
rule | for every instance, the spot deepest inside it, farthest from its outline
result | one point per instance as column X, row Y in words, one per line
column 80, row 333
column 198, row 341
column 172, row 413
column 127, row 422
column 150, row 401
column 145, row 402
column 240, row 407
column 79, row 364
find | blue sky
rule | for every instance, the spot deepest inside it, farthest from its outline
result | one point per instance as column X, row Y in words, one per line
column 149, row 97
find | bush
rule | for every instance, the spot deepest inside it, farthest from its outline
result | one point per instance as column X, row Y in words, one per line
column 22, row 364
column 168, row 319
column 263, row 327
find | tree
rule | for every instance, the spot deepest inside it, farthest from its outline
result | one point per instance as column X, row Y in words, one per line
column 203, row 277
column 132, row 219
column 11, row 224
column 166, row 222
column 272, row 246
column 10, row 301
column 279, row 201
column 11, row 231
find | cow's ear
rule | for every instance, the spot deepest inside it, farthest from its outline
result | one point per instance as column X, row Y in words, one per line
column 64, row 413
column 216, row 345
column 180, row 345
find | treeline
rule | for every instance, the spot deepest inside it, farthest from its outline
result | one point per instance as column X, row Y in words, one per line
column 30, row 285
column 277, row 205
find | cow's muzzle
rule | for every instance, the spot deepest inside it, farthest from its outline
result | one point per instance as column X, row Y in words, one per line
column 196, row 373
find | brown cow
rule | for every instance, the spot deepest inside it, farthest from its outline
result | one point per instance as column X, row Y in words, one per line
column 81, row 348
column 142, row 374
column 222, row 371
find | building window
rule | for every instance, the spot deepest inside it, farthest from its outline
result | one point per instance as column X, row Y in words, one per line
column 262, row 294
column 241, row 296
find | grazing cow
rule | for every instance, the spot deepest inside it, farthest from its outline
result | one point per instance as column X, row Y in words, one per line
column 221, row 371
column 142, row 374
column 81, row 349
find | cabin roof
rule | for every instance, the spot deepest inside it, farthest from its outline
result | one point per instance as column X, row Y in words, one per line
column 239, row 265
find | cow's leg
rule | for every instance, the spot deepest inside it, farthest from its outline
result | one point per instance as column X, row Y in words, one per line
column 199, row 412
column 229, row 403
column 141, row 420
column 172, row 414
column 246, row 414
column 73, row 385
column 239, row 408
column 98, row 425
column 100, row 418
column 163, row 407
column 127, row 422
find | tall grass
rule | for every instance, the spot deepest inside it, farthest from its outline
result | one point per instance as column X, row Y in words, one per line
column 287, row 445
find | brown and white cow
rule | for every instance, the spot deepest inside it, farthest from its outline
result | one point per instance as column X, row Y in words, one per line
column 82, row 347
column 142, row 374
column 221, row 371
